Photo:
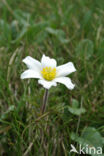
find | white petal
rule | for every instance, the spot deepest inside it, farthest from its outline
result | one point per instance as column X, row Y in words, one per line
column 65, row 69
column 47, row 84
column 48, row 62
column 30, row 74
column 32, row 63
column 66, row 81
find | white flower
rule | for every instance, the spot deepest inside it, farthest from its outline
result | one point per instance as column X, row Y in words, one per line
column 48, row 72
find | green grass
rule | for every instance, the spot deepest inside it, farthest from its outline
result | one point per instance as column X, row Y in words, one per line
column 67, row 30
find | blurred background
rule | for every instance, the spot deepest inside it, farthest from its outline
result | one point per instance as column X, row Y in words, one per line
column 66, row 30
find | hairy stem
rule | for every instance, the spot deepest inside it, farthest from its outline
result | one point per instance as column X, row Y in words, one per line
column 45, row 99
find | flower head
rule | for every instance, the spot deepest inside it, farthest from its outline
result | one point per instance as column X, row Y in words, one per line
column 48, row 72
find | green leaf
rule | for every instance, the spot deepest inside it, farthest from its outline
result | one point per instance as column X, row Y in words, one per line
column 32, row 31
column 85, row 49
column 74, row 109
column 87, row 18
column 22, row 17
column 75, row 103
column 21, row 34
column 60, row 34
column 91, row 137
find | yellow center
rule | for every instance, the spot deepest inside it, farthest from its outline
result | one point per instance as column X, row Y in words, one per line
column 48, row 73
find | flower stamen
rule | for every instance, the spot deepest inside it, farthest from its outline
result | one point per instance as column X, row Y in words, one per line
column 48, row 73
